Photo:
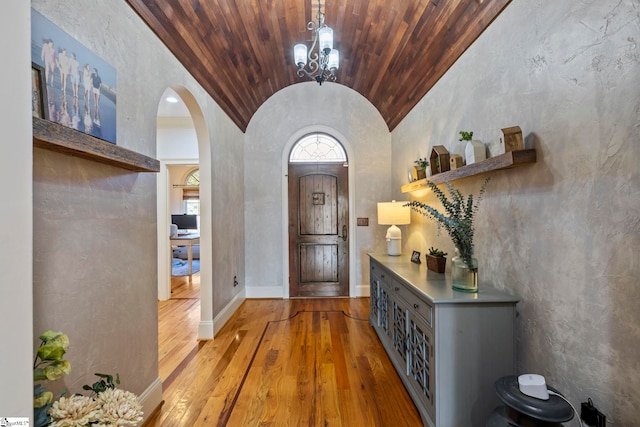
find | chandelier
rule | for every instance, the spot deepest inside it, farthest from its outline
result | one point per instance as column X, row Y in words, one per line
column 324, row 63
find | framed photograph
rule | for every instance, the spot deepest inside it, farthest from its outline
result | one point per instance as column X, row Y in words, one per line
column 415, row 257
column 39, row 106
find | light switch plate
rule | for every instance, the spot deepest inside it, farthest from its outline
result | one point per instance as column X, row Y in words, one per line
column 363, row 222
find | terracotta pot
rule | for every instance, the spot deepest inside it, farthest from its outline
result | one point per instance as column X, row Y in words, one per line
column 436, row 263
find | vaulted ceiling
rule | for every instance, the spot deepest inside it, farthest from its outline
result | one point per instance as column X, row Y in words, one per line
column 391, row 51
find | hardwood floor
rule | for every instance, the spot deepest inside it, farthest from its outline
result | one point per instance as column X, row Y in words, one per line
column 298, row 362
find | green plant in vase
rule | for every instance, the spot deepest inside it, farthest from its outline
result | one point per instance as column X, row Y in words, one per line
column 458, row 220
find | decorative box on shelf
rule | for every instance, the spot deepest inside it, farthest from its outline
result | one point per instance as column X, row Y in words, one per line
column 511, row 139
column 439, row 159
column 475, row 152
column 456, row 161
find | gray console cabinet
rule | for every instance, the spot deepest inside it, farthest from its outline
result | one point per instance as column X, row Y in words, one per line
column 448, row 347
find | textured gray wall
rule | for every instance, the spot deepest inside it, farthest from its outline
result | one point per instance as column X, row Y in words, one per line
column 563, row 234
column 95, row 225
column 278, row 119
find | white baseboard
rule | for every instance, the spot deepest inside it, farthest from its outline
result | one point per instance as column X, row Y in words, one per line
column 226, row 313
column 205, row 330
column 276, row 291
column 363, row 291
column 264, row 292
column 151, row 398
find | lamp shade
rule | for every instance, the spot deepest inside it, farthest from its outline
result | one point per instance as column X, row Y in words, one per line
column 334, row 59
column 393, row 213
column 325, row 39
column 300, row 54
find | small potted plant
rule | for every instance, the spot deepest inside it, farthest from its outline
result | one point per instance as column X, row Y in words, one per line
column 420, row 169
column 436, row 260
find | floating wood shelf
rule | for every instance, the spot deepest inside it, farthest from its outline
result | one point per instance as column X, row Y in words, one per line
column 507, row 160
column 55, row 137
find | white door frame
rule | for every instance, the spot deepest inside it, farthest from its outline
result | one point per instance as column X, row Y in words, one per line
column 163, row 209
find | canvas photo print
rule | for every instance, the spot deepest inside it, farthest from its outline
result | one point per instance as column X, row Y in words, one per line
column 80, row 86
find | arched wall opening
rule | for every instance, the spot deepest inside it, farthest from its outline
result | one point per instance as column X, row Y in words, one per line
column 203, row 159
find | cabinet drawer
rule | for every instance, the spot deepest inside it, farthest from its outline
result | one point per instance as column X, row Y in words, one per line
column 414, row 303
column 424, row 310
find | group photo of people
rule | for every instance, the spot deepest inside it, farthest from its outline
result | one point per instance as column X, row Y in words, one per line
column 81, row 89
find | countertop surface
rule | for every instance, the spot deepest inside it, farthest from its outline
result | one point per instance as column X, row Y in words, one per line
column 436, row 287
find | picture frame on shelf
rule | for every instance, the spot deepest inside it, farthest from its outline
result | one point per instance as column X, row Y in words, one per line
column 39, row 107
column 415, row 257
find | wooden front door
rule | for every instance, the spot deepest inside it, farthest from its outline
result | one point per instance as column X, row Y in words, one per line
column 318, row 230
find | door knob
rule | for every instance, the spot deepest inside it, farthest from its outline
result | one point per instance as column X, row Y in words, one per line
column 344, row 233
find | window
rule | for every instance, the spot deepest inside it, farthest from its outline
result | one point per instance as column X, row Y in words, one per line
column 317, row 147
column 193, row 179
column 191, row 193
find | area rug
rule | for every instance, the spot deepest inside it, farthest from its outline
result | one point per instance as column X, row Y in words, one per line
column 180, row 267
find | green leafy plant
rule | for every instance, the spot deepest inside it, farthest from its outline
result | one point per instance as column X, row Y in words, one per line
column 458, row 216
column 102, row 385
column 107, row 405
column 48, row 365
column 422, row 163
column 436, row 252
column 465, row 136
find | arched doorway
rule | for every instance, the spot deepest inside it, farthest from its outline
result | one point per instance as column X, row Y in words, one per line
column 318, row 200
column 200, row 156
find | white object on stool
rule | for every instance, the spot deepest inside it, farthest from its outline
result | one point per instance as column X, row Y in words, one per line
column 533, row 385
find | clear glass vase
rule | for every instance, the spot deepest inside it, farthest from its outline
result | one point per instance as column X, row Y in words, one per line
column 464, row 276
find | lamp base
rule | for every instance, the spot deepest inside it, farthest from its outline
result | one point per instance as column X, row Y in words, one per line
column 394, row 247
column 394, row 241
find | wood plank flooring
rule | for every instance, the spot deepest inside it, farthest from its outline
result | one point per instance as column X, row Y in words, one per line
column 298, row 362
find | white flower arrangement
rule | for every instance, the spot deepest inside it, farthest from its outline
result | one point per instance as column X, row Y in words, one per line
column 107, row 405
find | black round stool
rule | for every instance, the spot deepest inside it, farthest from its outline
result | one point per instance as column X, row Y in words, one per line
column 521, row 410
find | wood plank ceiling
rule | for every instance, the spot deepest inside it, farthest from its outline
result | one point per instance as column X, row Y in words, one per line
column 391, row 52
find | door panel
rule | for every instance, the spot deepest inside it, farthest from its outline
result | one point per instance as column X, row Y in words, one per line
column 318, row 228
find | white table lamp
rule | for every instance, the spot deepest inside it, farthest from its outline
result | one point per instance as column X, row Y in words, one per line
column 394, row 214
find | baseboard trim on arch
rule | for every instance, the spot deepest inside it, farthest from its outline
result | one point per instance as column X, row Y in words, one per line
column 228, row 311
column 151, row 398
column 205, row 330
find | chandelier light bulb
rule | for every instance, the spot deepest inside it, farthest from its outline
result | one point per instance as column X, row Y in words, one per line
column 333, row 63
column 300, row 54
column 325, row 38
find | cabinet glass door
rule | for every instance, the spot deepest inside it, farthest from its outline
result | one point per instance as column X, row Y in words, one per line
column 374, row 307
column 421, row 361
column 383, row 303
column 399, row 327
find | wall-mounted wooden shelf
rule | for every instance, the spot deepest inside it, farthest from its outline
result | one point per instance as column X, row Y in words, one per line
column 55, row 137
column 507, row 160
